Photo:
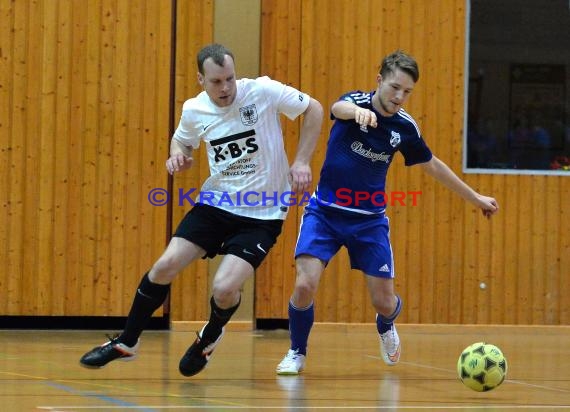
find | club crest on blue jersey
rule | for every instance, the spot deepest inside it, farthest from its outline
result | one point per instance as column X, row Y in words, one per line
column 248, row 115
column 395, row 140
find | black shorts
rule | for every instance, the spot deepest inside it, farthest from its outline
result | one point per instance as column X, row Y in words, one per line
column 219, row 232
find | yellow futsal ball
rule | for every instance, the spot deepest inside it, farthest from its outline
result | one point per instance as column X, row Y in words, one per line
column 482, row 367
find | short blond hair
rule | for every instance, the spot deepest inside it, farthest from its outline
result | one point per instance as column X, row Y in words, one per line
column 402, row 61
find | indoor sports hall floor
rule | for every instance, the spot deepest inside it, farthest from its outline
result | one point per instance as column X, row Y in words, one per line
column 39, row 371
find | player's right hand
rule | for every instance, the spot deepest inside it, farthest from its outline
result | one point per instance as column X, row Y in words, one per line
column 365, row 117
column 178, row 162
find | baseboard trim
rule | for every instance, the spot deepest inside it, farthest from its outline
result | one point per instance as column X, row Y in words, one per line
column 163, row 323
column 408, row 328
column 76, row 322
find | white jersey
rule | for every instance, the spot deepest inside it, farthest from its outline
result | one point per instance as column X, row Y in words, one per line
column 248, row 163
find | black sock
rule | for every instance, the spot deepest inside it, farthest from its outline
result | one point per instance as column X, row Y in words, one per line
column 149, row 297
column 218, row 319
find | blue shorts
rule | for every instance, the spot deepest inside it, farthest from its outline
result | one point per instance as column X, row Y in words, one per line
column 325, row 229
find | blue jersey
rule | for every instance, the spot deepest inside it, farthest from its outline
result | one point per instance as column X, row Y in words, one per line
column 353, row 176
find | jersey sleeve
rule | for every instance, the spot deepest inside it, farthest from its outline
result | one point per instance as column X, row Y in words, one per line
column 357, row 97
column 187, row 132
column 415, row 150
column 286, row 99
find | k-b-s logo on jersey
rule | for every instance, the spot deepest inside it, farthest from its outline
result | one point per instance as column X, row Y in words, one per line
column 234, row 146
column 248, row 115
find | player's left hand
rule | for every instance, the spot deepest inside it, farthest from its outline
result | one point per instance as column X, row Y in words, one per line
column 488, row 205
column 300, row 177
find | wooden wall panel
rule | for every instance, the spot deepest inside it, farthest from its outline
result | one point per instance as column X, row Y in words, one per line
column 444, row 248
column 84, row 117
column 559, row 221
column 280, row 49
column 195, row 19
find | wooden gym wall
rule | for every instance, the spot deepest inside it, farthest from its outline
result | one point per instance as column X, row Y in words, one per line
column 84, row 92
column 84, row 126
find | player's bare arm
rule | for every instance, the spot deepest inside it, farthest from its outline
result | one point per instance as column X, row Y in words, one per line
column 347, row 110
column 300, row 172
column 440, row 171
column 180, row 157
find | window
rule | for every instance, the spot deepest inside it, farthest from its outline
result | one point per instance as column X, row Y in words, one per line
column 518, row 105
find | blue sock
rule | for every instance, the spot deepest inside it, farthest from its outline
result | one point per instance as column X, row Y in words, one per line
column 300, row 323
column 385, row 324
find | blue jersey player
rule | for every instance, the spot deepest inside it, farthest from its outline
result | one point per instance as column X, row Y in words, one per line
column 348, row 207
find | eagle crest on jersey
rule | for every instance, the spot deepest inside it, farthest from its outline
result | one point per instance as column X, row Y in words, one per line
column 395, row 139
column 248, row 115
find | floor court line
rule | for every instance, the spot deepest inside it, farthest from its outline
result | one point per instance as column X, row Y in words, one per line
column 122, row 405
column 106, row 398
column 331, row 407
column 516, row 382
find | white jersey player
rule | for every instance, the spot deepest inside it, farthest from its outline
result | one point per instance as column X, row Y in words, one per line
column 240, row 208
column 246, row 154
